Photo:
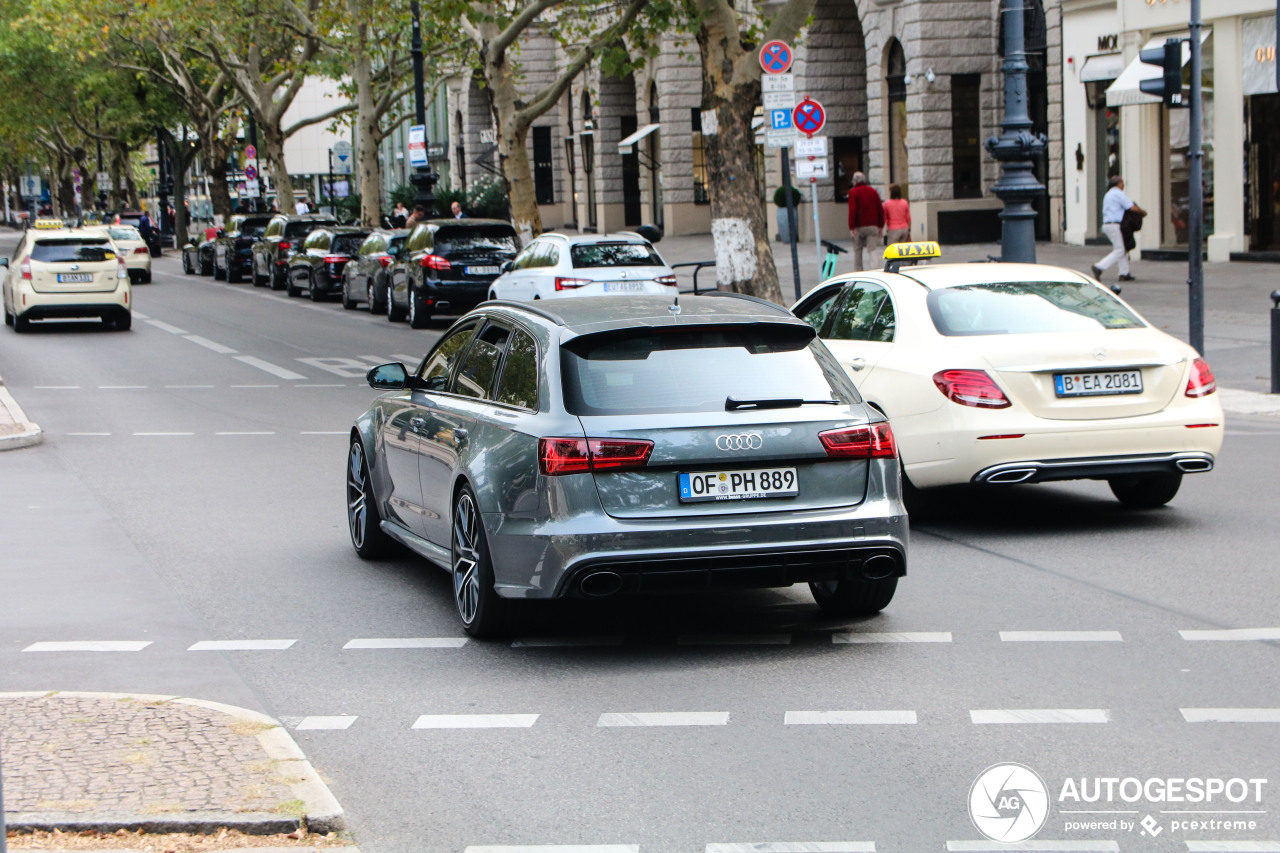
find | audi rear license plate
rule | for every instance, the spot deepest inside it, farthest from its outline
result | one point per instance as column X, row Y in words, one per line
column 738, row 485
column 623, row 286
column 482, row 270
column 1098, row 384
column 74, row 277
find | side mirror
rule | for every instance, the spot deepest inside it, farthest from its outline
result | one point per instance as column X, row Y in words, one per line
column 387, row 377
column 4, row 262
column 506, row 266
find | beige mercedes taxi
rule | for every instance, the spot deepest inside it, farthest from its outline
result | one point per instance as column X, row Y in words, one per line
column 1019, row 373
column 59, row 272
column 130, row 245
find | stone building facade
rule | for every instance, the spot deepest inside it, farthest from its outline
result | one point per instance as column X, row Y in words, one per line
column 912, row 89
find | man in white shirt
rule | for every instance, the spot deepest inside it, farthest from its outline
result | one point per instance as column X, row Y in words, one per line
column 301, row 207
column 1114, row 205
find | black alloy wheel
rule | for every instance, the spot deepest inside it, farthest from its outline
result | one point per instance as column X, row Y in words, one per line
column 483, row 612
column 314, row 292
column 419, row 317
column 363, row 518
column 395, row 313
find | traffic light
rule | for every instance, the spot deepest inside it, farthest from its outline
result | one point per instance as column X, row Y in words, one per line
column 1168, row 86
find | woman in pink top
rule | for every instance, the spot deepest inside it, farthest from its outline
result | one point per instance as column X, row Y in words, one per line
column 897, row 217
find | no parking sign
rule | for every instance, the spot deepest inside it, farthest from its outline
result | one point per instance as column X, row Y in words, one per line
column 775, row 57
column 809, row 116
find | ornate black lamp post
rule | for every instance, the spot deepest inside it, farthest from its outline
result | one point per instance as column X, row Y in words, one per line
column 423, row 178
column 1016, row 146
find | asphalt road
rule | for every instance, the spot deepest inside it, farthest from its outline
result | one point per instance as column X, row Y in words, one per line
column 190, row 489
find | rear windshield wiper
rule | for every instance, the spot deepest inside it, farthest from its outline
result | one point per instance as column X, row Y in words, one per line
column 732, row 404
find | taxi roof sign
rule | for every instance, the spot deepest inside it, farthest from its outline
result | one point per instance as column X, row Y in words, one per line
column 49, row 223
column 896, row 254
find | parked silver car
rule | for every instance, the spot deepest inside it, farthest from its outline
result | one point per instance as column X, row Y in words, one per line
column 609, row 445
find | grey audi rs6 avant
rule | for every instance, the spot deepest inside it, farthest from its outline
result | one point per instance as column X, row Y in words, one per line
column 611, row 445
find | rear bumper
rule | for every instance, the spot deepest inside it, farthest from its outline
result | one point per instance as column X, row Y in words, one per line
column 38, row 306
column 1100, row 468
column 453, row 297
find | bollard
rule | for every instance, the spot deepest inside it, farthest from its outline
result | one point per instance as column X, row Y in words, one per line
column 1275, row 342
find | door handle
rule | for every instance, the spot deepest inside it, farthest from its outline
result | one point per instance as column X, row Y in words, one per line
column 418, row 424
column 857, row 363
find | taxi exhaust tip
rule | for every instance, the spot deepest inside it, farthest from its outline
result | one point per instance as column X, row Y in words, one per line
column 1010, row 476
column 1194, row 466
column 600, row 584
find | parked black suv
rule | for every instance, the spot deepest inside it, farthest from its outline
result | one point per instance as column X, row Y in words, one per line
column 364, row 279
column 317, row 267
column 280, row 239
column 446, row 267
column 233, row 250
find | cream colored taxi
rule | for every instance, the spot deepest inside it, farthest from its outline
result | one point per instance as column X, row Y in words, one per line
column 130, row 245
column 59, row 272
column 1019, row 373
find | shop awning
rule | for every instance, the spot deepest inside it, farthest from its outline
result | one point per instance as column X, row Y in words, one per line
column 1105, row 67
column 1125, row 92
column 625, row 145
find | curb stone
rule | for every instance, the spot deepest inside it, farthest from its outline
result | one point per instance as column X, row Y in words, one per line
column 28, row 434
column 321, row 812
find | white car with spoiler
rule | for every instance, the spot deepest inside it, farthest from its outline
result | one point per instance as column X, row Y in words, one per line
column 555, row 266
column 1019, row 373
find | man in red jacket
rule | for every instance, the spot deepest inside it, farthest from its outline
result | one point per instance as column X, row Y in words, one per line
column 866, row 218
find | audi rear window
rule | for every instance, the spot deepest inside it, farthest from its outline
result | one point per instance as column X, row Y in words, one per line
column 496, row 239
column 253, row 229
column 346, row 244
column 614, row 255
column 1023, row 308
column 71, row 251
column 302, row 229
column 697, row 369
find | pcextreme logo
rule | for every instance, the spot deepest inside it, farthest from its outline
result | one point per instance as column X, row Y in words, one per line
column 1009, row 802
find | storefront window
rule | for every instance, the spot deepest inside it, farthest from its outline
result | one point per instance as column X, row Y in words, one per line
column 1178, row 161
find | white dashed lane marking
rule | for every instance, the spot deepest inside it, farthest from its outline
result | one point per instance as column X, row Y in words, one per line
column 1231, row 715
column 475, row 721
column 1034, row 847
column 794, row 847
column 240, row 645
column 165, row 327
column 89, row 646
column 408, row 643
column 1040, row 715
column 893, row 637
column 1061, row 636
column 273, row 369
column 1233, row 634
column 665, row 718
column 850, row 718
column 325, row 723
column 220, row 349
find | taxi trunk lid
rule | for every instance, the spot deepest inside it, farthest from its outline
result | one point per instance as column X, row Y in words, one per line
column 1026, row 368
column 73, row 265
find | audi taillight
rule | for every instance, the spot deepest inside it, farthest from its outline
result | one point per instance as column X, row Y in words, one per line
column 873, row 441
column 25, row 268
column 335, row 259
column 563, row 283
column 575, row 455
column 971, row 388
column 668, row 280
column 1201, row 383
column 434, row 262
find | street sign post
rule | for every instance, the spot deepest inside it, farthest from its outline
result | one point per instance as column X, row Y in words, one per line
column 809, row 116
column 775, row 57
column 30, row 186
column 418, row 145
column 342, row 157
column 778, row 83
column 251, row 185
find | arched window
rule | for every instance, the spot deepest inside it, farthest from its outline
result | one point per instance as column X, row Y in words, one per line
column 895, row 64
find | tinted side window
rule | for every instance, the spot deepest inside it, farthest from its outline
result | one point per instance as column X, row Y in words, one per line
column 477, row 374
column 519, row 383
column 857, row 318
column 275, row 229
column 525, row 259
column 437, row 367
column 553, row 255
column 370, row 245
column 816, row 314
column 317, row 240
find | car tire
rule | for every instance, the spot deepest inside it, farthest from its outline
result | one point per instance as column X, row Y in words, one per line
column 258, row 280
column 21, row 324
column 186, row 264
column 233, row 275
column 218, row 273
column 371, row 295
column 8, row 318
column 854, row 597
column 121, row 322
column 205, row 270
column 278, row 282
column 1146, row 491
column 483, row 612
column 289, row 288
column 347, row 302
column 395, row 313
column 145, row 277
column 419, row 318
column 363, row 519
column 313, row 292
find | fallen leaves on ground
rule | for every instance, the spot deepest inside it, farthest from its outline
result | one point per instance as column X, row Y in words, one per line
column 224, row 839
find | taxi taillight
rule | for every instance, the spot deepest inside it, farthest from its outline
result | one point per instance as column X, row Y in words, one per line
column 1201, row 382
column 971, row 388
column 25, row 269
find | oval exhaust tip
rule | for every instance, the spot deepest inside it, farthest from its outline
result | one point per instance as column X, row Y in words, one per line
column 879, row 567
column 1194, row 466
column 1011, row 476
column 600, row 584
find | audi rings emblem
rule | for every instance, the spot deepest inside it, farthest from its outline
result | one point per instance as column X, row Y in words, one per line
column 741, row 441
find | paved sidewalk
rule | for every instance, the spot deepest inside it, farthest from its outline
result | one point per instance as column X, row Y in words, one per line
column 162, row 764
column 15, row 430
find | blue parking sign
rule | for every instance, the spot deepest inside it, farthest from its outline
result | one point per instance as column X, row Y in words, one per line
column 781, row 119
